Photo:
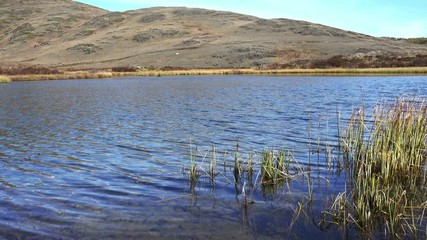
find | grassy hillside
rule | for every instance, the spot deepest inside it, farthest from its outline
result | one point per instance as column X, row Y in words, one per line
column 66, row 34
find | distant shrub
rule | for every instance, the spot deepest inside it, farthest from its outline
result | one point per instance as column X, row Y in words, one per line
column 417, row 40
column 152, row 17
column 371, row 61
column 86, row 48
column 22, row 32
column 106, row 20
column 142, row 37
column 158, row 33
column 85, row 33
column 28, row 70
column 170, row 68
column 420, row 60
column 125, row 69
column 360, row 60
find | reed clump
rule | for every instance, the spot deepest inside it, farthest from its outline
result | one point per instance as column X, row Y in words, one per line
column 275, row 167
column 4, row 79
column 268, row 170
column 383, row 156
column 387, row 170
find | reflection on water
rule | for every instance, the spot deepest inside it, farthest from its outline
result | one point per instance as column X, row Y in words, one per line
column 92, row 159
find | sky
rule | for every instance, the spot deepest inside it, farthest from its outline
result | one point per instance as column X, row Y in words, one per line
column 380, row 18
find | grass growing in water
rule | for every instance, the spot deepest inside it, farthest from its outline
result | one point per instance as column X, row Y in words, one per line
column 384, row 164
column 387, row 171
column 269, row 170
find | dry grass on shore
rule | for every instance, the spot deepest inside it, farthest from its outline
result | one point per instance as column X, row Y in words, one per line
column 334, row 71
column 61, row 76
column 189, row 72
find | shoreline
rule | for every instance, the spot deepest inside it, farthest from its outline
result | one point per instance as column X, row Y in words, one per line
column 68, row 75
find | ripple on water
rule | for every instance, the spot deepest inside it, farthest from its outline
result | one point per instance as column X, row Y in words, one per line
column 102, row 159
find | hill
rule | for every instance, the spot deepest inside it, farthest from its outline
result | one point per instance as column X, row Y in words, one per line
column 68, row 34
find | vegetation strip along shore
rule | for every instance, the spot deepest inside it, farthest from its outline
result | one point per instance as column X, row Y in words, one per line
column 193, row 72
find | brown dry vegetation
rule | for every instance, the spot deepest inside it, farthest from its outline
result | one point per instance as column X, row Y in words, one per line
column 370, row 60
column 28, row 70
column 378, row 61
column 130, row 72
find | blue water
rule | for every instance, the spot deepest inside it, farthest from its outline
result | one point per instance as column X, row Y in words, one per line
column 106, row 159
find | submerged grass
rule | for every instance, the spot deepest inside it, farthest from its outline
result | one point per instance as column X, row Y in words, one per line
column 384, row 160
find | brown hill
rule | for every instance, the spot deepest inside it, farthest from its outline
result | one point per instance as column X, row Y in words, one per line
column 67, row 34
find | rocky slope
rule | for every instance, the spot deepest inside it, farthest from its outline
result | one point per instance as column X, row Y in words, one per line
column 67, row 34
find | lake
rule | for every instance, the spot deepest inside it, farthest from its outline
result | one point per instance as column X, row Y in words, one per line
column 108, row 159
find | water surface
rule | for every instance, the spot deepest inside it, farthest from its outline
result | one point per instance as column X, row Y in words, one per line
column 103, row 159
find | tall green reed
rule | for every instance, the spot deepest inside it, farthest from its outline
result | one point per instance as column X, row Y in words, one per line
column 387, row 160
column 384, row 161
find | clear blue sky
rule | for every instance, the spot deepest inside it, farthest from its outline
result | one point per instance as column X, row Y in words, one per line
column 391, row 18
